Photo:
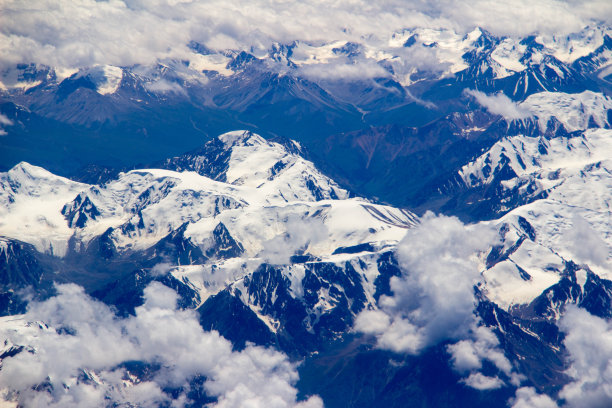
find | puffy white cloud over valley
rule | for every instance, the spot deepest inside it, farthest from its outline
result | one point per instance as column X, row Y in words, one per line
column 79, row 351
column 434, row 299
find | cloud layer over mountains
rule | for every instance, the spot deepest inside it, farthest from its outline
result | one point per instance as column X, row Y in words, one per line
column 434, row 299
column 79, row 350
column 82, row 33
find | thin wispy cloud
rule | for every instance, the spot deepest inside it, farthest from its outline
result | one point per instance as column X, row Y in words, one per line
column 499, row 104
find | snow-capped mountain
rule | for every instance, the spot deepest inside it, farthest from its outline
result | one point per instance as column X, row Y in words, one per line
column 142, row 206
column 414, row 80
column 271, row 251
column 301, row 257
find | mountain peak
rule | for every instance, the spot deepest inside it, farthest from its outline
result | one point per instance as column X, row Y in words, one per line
column 25, row 169
column 241, row 138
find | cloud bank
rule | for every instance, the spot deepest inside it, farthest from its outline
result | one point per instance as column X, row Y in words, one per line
column 589, row 343
column 79, row 349
column 527, row 397
column 80, row 33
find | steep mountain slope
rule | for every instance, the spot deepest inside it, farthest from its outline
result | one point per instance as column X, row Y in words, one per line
column 264, row 192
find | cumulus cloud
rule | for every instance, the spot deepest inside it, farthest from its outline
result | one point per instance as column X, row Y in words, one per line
column 586, row 244
column 434, row 298
column 125, row 32
column 79, row 351
column 588, row 341
column 467, row 355
column 482, row 382
column 589, row 344
column 499, row 104
column 528, row 397
column 298, row 234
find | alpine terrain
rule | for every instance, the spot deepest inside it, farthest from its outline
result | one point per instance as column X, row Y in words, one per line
column 216, row 216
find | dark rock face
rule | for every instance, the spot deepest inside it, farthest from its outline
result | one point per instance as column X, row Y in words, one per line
column 127, row 293
column 79, row 211
column 20, row 269
column 211, row 160
column 19, row 264
column 299, row 323
column 227, row 314
column 224, row 245
column 353, row 374
column 176, row 249
column 593, row 294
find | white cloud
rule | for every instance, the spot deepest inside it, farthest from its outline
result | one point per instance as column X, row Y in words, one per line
column 80, row 33
column 586, row 244
column 482, row 382
column 589, row 344
column 500, row 104
column 527, row 397
column 5, row 121
column 164, row 86
column 161, row 269
column 342, row 68
column 467, row 355
column 298, row 234
column 434, row 299
column 79, row 337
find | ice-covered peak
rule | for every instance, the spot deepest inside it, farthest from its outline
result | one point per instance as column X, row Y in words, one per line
column 575, row 111
column 277, row 171
column 25, row 169
column 576, row 45
column 30, row 202
column 25, row 178
column 241, row 138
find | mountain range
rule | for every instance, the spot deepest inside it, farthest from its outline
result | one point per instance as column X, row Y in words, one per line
column 434, row 235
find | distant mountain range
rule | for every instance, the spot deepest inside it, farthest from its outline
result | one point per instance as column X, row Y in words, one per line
column 391, row 125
